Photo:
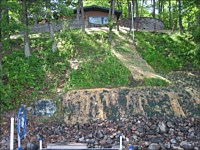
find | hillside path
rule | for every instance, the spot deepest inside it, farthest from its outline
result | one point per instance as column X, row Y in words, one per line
column 129, row 56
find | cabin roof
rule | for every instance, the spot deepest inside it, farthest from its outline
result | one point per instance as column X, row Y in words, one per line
column 99, row 8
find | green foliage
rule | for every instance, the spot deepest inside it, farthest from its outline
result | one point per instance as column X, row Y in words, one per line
column 167, row 52
column 196, row 33
column 108, row 71
column 20, row 76
column 103, row 3
column 154, row 82
column 111, row 23
column 64, row 11
column 25, row 79
column 99, row 67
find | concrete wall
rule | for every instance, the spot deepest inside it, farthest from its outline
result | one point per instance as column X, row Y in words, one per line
column 144, row 23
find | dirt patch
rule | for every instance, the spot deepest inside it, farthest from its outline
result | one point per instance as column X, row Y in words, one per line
column 178, row 111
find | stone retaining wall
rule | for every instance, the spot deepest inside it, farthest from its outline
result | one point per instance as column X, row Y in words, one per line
column 57, row 26
column 144, row 23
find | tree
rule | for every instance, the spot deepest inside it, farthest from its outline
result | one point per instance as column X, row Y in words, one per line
column 175, row 15
column 137, row 13
column 129, row 13
column 35, row 7
column 170, row 14
column 1, row 43
column 111, row 19
column 49, row 16
column 154, row 9
column 141, row 11
column 160, row 6
column 180, row 17
column 113, row 9
column 7, row 20
column 80, row 9
column 25, row 22
column 104, row 3
column 82, row 15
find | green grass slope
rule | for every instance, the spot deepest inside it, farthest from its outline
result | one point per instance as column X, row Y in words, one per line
column 166, row 52
column 45, row 73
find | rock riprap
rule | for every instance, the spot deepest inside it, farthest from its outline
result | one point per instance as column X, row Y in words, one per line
column 149, row 117
column 142, row 132
column 181, row 99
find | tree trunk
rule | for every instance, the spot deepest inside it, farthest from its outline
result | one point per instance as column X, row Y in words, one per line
column 78, row 11
column 82, row 16
column 131, row 26
column 159, row 7
column 129, row 10
column 137, row 14
column 129, row 14
column 163, row 7
column 25, row 21
column 180, row 16
column 198, row 15
column 51, row 31
column 7, row 23
column 36, row 17
column 141, row 8
column 52, row 36
column 170, row 15
column 175, row 21
column 111, row 11
column 154, row 9
column 1, row 75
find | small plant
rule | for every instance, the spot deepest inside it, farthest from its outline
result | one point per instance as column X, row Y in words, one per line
column 154, row 82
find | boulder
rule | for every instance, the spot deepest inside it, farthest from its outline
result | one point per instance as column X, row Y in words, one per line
column 44, row 107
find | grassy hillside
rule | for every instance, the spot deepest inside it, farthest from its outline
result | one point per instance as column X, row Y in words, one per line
column 166, row 52
column 46, row 73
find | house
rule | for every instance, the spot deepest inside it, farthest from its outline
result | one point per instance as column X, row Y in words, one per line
column 94, row 16
column 97, row 15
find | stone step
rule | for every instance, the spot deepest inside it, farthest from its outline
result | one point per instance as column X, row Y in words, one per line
column 73, row 146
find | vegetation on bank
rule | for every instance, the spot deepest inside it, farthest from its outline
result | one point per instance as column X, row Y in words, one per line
column 45, row 72
column 166, row 52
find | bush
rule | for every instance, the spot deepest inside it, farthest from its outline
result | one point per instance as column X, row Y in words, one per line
column 20, row 74
column 154, row 82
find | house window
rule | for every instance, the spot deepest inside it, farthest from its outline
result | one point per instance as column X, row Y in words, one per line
column 98, row 20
